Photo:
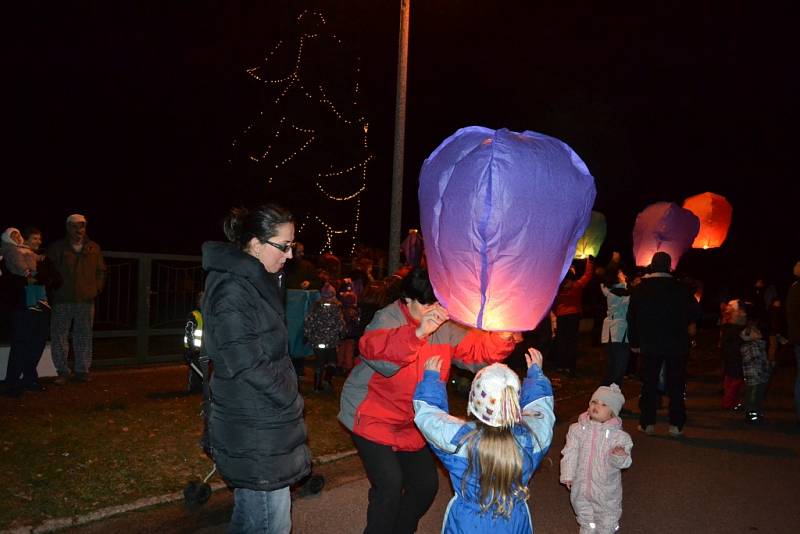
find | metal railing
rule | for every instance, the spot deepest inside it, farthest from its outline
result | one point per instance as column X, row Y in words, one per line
column 141, row 313
column 147, row 299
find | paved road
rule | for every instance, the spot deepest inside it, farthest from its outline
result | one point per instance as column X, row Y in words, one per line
column 723, row 477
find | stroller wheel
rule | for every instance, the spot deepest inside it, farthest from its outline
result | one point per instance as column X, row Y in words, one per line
column 196, row 494
column 312, row 486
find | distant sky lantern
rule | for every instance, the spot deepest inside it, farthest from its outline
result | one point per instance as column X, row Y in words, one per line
column 592, row 239
column 412, row 247
column 714, row 212
column 501, row 215
column 663, row 226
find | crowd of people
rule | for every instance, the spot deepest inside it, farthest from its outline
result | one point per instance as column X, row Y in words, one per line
column 394, row 401
column 396, row 347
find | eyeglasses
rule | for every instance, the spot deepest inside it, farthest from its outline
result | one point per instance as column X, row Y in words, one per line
column 283, row 247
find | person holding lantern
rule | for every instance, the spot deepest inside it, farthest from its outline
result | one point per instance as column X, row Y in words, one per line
column 568, row 309
column 376, row 401
column 660, row 313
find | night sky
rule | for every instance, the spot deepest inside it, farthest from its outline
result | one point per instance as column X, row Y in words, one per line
column 127, row 111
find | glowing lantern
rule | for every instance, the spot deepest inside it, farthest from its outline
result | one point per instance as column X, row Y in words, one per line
column 592, row 239
column 663, row 226
column 501, row 215
column 715, row 213
column 412, row 247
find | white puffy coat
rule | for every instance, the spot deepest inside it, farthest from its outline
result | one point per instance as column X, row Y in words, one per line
column 615, row 325
column 595, row 473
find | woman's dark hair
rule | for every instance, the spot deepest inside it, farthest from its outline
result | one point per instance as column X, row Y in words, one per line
column 417, row 286
column 241, row 225
column 28, row 231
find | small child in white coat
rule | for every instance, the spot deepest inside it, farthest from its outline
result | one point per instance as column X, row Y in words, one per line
column 596, row 452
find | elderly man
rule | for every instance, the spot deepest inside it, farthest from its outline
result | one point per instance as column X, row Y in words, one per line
column 660, row 313
column 79, row 261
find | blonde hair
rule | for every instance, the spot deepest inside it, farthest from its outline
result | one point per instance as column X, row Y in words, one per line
column 496, row 456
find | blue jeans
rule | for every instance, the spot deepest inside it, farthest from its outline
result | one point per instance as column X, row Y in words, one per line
column 797, row 383
column 263, row 512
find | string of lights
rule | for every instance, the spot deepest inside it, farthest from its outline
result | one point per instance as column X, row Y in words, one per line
column 349, row 181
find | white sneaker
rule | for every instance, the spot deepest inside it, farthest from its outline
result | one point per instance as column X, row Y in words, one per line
column 649, row 429
column 674, row 431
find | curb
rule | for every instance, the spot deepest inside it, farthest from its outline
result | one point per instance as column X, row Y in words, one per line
column 52, row 525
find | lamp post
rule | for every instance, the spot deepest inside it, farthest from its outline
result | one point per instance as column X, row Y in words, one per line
column 399, row 140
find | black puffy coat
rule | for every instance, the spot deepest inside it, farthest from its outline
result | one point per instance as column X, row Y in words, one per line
column 659, row 314
column 256, row 429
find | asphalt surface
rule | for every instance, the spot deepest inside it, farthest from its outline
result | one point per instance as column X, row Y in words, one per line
column 724, row 476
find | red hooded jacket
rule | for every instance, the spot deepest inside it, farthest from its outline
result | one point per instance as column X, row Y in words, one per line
column 376, row 401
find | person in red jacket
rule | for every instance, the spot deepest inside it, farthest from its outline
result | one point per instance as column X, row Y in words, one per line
column 376, row 401
column 568, row 309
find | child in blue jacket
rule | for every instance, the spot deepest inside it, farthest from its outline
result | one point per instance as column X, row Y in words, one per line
column 492, row 457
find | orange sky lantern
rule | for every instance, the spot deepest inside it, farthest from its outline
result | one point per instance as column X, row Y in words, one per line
column 715, row 213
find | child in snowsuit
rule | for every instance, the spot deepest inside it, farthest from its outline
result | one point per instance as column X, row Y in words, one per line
column 756, row 368
column 21, row 261
column 506, row 441
column 347, row 348
column 324, row 329
column 733, row 321
column 597, row 450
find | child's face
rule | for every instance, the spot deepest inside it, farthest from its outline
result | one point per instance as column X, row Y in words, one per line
column 599, row 411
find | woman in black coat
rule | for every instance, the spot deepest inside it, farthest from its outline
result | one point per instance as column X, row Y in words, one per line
column 257, row 435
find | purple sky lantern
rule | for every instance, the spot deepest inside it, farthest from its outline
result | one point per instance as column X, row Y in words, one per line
column 663, row 226
column 501, row 214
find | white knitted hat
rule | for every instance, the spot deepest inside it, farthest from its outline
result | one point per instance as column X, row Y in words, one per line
column 611, row 396
column 490, row 399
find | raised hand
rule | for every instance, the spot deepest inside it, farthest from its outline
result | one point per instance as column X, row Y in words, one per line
column 619, row 450
column 432, row 320
column 434, row 363
column 534, row 357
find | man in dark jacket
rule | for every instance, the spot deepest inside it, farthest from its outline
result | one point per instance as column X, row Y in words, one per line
column 80, row 263
column 659, row 317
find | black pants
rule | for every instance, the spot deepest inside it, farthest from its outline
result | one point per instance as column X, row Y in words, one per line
column 676, row 381
column 29, row 330
column 324, row 358
column 402, row 486
column 617, row 363
column 566, row 344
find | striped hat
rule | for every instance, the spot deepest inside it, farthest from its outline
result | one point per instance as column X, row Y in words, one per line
column 494, row 396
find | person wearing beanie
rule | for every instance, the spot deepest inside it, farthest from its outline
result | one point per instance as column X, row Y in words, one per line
column 509, row 433
column 661, row 314
column 661, row 262
column 596, row 452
